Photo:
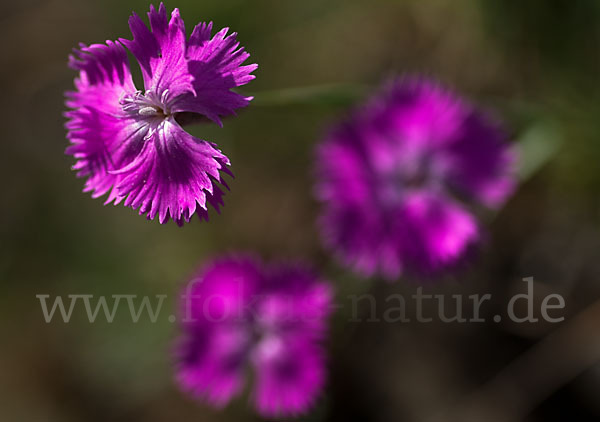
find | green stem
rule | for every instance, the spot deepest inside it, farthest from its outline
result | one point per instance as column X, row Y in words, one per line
column 329, row 94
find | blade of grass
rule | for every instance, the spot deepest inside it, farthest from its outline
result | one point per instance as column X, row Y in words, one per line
column 322, row 95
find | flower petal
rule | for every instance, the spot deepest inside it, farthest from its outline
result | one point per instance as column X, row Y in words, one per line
column 217, row 337
column 436, row 232
column 421, row 111
column 216, row 65
column 222, row 291
column 290, row 374
column 97, row 127
column 482, row 161
column 342, row 173
column 161, row 52
column 173, row 174
column 425, row 234
column 294, row 301
column 210, row 362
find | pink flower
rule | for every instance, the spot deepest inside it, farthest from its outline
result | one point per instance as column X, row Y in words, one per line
column 239, row 312
column 128, row 142
column 399, row 178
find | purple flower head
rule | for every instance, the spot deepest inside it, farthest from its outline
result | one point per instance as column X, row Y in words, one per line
column 128, row 142
column 397, row 178
column 274, row 318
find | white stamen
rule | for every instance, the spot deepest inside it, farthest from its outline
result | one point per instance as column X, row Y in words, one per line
column 164, row 96
column 148, row 111
column 146, row 104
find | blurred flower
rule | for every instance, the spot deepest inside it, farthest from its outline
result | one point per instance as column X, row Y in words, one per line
column 128, row 142
column 238, row 312
column 395, row 178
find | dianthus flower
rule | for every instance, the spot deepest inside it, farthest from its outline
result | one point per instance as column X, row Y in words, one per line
column 399, row 179
column 239, row 312
column 128, row 142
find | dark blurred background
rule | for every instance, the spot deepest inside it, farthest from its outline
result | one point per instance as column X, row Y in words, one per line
column 535, row 62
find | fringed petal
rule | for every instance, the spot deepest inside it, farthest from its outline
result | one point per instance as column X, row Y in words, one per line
column 173, row 175
column 216, row 65
column 161, row 51
column 96, row 126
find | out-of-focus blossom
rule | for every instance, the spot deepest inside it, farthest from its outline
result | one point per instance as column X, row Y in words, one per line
column 128, row 142
column 398, row 177
column 239, row 312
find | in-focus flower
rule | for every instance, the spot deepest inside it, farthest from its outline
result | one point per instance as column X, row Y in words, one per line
column 398, row 177
column 239, row 312
column 128, row 142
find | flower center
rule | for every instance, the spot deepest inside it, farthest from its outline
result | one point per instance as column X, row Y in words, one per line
column 147, row 105
column 418, row 173
column 413, row 172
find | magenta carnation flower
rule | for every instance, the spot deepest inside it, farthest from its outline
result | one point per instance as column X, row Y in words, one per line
column 398, row 178
column 237, row 312
column 128, row 142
